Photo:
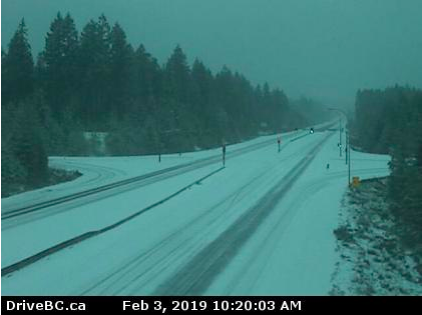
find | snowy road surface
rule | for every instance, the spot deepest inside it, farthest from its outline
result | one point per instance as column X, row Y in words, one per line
column 102, row 171
column 100, row 211
column 261, row 226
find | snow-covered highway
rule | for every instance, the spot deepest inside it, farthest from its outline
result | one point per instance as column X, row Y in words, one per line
column 262, row 225
column 66, row 224
column 98, row 179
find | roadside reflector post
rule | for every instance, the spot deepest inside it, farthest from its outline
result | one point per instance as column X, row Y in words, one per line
column 279, row 144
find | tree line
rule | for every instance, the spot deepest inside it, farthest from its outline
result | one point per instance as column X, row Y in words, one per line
column 390, row 122
column 96, row 81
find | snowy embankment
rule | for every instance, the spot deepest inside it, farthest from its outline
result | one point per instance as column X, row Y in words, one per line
column 291, row 252
column 372, row 258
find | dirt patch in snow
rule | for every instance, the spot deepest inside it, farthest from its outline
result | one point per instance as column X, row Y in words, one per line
column 372, row 259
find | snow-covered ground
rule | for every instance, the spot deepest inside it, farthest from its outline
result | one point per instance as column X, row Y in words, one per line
column 372, row 257
column 291, row 252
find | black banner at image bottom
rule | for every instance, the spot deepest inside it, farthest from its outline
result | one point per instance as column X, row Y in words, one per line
column 173, row 305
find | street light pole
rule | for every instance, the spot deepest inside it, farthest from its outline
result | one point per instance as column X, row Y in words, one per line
column 348, row 152
column 347, row 146
column 340, row 136
column 348, row 160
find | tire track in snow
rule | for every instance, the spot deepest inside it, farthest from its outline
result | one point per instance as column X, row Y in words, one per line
column 143, row 268
column 279, row 225
column 139, row 273
column 197, row 275
column 89, row 234
column 77, row 239
column 95, row 175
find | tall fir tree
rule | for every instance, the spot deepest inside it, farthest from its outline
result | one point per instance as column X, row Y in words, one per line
column 177, row 76
column 18, row 68
column 121, row 62
column 147, row 76
column 60, row 62
column 94, row 63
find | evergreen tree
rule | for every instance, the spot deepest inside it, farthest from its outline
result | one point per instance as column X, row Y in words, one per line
column 60, row 62
column 177, row 76
column 202, row 104
column 22, row 138
column 94, row 63
column 177, row 102
column 5, row 89
column 226, row 113
column 17, row 67
column 96, row 82
column 389, row 122
column 419, row 156
column 121, row 62
column 146, row 76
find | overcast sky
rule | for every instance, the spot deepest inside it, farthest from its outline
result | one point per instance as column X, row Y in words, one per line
column 325, row 49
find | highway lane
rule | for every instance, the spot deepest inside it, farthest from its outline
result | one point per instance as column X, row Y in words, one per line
column 264, row 174
column 24, row 236
column 214, row 215
column 192, row 259
column 196, row 276
column 288, row 155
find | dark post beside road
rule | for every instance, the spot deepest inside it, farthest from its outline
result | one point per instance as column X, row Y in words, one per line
column 224, row 154
column 339, row 144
